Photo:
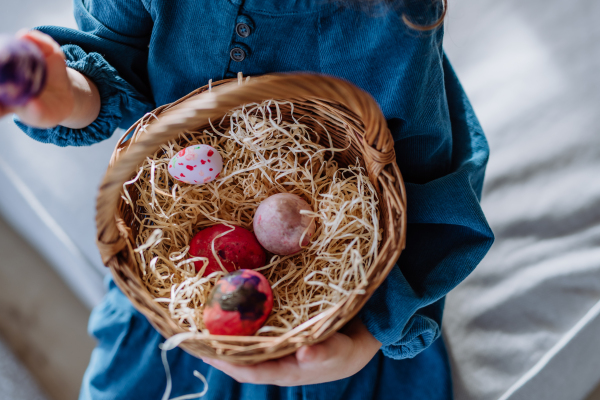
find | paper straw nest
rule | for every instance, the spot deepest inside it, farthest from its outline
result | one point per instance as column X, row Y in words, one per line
column 263, row 154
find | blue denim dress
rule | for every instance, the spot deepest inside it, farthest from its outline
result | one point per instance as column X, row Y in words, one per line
column 144, row 53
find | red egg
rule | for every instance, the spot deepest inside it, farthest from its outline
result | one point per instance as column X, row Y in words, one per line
column 238, row 249
column 239, row 304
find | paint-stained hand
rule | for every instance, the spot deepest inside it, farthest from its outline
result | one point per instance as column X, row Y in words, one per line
column 69, row 98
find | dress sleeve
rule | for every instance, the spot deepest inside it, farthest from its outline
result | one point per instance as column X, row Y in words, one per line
column 111, row 49
column 447, row 234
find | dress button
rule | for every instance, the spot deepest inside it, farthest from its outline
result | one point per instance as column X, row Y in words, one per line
column 242, row 29
column 237, row 54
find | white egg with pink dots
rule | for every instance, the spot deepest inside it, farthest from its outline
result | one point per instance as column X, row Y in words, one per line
column 196, row 165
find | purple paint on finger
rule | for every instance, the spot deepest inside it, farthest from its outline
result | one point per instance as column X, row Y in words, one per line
column 22, row 71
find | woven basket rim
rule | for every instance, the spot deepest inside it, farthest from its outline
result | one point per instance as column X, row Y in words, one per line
column 115, row 238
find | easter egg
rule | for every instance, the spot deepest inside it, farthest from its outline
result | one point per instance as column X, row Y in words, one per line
column 22, row 71
column 239, row 304
column 197, row 164
column 279, row 226
column 238, row 249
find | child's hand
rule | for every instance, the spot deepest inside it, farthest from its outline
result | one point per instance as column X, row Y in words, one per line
column 69, row 98
column 339, row 357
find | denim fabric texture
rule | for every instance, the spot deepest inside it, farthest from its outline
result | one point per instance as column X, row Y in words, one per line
column 145, row 53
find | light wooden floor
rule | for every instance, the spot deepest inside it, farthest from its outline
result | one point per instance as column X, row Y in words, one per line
column 41, row 320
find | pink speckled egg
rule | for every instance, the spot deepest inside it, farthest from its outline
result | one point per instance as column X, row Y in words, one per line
column 196, row 165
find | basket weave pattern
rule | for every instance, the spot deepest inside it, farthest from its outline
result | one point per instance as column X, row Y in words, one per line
column 354, row 122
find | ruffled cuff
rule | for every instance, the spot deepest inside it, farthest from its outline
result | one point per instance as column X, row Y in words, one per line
column 116, row 95
column 419, row 332
column 393, row 318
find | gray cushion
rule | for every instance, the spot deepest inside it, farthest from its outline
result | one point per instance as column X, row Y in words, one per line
column 523, row 324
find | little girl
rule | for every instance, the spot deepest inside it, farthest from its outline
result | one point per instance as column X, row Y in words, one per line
column 130, row 56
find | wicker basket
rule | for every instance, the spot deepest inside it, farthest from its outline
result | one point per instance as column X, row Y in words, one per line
column 353, row 120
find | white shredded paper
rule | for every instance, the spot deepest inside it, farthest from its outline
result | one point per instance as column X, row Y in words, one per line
column 267, row 148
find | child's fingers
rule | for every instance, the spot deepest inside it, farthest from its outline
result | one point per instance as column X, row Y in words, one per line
column 240, row 373
column 282, row 372
column 45, row 43
column 307, row 354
